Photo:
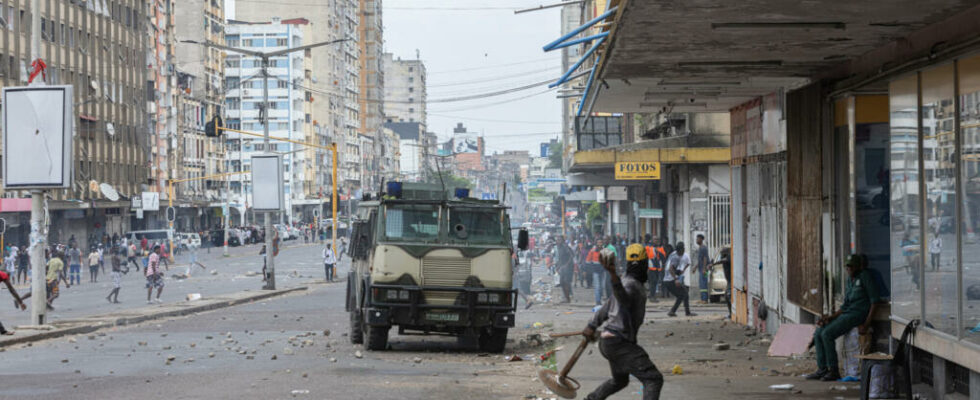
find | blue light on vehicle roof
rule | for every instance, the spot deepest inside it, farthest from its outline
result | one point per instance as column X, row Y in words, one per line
column 395, row 189
column 462, row 193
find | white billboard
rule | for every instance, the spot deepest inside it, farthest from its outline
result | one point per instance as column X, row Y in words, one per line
column 150, row 201
column 267, row 183
column 465, row 143
column 38, row 123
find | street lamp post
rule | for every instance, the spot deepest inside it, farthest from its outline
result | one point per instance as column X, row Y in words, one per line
column 264, row 57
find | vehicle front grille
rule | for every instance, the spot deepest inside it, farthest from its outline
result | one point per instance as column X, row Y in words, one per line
column 444, row 272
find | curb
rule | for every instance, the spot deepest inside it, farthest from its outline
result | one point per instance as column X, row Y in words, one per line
column 109, row 321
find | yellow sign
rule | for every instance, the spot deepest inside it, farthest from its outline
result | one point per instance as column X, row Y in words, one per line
column 626, row 171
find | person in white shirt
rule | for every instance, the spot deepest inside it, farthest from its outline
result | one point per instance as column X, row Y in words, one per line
column 935, row 250
column 329, row 262
column 677, row 279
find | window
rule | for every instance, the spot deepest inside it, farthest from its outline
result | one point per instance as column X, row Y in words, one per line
column 411, row 90
column 411, row 222
column 969, row 109
column 477, row 225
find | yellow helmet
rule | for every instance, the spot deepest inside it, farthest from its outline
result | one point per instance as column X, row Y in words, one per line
column 636, row 252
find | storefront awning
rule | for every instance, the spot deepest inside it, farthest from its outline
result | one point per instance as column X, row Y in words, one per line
column 15, row 205
column 608, row 157
column 709, row 56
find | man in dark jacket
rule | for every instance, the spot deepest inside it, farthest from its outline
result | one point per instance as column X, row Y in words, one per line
column 623, row 314
column 566, row 268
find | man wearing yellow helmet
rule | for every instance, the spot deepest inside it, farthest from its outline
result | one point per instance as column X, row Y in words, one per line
column 623, row 314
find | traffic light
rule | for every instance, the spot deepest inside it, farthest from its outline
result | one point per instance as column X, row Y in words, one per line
column 213, row 128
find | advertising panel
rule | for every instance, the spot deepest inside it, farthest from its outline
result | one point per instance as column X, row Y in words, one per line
column 648, row 170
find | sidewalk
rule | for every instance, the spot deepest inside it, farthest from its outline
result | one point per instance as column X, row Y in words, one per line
column 298, row 264
column 742, row 371
column 137, row 315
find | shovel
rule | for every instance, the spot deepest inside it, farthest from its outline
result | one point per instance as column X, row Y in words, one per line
column 559, row 382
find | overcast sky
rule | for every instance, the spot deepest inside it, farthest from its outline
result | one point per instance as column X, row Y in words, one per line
column 480, row 46
column 473, row 47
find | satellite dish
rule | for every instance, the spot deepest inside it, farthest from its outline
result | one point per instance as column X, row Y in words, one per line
column 111, row 130
column 109, row 192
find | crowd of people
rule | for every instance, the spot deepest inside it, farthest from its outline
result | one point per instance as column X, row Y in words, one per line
column 575, row 261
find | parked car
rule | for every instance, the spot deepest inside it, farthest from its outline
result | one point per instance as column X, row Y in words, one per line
column 718, row 286
column 188, row 240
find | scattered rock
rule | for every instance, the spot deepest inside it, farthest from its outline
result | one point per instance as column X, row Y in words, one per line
column 333, row 359
column 357, row 354
column 417, row 360
column 171, row 357
column 250, row 357
column 64, row 360
column 72, row 340
column 211, row 355
column 274, row 357
column 287, row 351
column 668, row 334
column 326, row 332
column 304, row 375
column 721, row 346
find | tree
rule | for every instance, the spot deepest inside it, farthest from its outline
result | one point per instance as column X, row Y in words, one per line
column 451, row 180
column 594, row 212
column 555, row 153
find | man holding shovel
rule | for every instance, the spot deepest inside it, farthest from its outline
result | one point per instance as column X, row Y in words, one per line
column 622, row 314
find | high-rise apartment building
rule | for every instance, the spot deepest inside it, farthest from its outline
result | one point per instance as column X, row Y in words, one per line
column 404, row 89
column 286, row 114
column 161, row 119
column 200, row 96
column 371, row 91
column 328, row 80
column 352, row 119
column 101, row 52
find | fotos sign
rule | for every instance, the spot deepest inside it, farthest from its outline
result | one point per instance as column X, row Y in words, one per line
column 636, row 170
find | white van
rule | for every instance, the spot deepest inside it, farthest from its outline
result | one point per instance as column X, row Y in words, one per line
column 152, row 235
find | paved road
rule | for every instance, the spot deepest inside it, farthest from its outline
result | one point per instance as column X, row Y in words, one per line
column 297, row 263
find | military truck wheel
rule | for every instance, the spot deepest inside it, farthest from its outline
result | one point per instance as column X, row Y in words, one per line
column 493, row 340
column 377, row 337
column 356, row 327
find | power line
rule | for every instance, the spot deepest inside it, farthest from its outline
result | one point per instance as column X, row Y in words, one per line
column 551, row 59
column 498, row 102
column 444, row 100
column 496, row 78
column 426, row 8
column 493, row 120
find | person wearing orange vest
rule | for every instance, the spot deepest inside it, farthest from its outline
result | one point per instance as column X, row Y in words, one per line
column 592, row 261
column 653, row 269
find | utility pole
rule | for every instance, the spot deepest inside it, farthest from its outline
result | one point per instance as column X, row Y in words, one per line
column 270, row 259
column 264, row 57
column 39, row 231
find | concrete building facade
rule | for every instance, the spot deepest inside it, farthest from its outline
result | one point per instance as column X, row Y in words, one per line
column 405, row 90
column 287, row 103
column 200, row 97
column 852, row 138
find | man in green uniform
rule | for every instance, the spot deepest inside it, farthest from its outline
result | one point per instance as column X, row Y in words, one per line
column 861, row 295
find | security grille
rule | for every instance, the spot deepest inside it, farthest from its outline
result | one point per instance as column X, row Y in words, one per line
column 719, row 222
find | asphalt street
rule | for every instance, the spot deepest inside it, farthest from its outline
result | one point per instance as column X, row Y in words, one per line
column 295, row 346
column 297, row 263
